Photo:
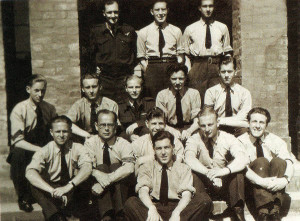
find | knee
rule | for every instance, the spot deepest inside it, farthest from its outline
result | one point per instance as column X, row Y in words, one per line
column 203, row 199
column 277, row 162
column 260, row 162
column 131, row 202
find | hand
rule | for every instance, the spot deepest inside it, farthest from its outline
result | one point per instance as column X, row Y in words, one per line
column 131, row 128
column 277, row 184
column 217, row 182
column 185, row 134
column 175, row 216
column 102, row 178
column 97, row 189
column 65, row 200
column 153, row 215
column 60, row 191
column 217, row 172
column 134, row 137
column 265, row 182
column 87, row 136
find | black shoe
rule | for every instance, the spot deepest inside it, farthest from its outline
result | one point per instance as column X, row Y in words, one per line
column 274, row 217
column 238, row 214
column 262, row 217
column 25, row 206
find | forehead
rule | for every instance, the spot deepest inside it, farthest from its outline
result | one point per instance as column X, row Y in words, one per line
column 38, row 84
column 162, row 143
column 60, row 126
column 258, row 117
column 160, row 5
column 157, row 120
column 134, row 82
column 228, row 66
column 178, row 74
column 89, row 82
column 207, row 2
column 106, row 118
column 111, row 7
column 208, row 119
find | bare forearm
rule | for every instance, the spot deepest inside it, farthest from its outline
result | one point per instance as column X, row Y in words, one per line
column 80, row 132
column 195, row 164
column 27, row 146
column 145, row 197
column 84, row 172
column 253, row 177
column 233, row 122
column 36, row 180
column 121, row 172
column 289, row 169
column 183, row 202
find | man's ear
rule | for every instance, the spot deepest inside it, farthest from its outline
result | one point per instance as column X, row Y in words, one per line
column 147, row 124
column 96, row 126
column 151, row 11
column 51, row 132
column 28, row 89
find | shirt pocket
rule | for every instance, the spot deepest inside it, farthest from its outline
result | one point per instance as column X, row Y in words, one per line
column 124, row 46
column 103, row 45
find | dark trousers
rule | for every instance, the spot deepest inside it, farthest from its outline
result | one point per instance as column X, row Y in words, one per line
column 262, row 167
column 198, row 209
column 50, row 205
column 203, row 75
column 156, row 79
column 232, row 190
column 19, row 159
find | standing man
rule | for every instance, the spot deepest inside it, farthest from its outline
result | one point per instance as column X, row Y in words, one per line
column 158, row 45
column 83, row 112
column 271, row 166
column 217, row 159
column 230, row 100
column 29, row 132
column 204, row 41
column 52, row 170
column 165, row 188
column 180, row 104
column 113, row 48
column 133, row 110
column 113, row 161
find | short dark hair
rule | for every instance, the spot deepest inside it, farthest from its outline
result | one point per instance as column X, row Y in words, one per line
column 207, row 110
column 153, row 2
column 109, row 2
column 105, row 111
column 155, row 112
column 172, row 68
column 259, row 110
column 160, row 135
column 132, row 77
column 89, row 76
column 36, row 78
column 226, row 59
column 61, row 118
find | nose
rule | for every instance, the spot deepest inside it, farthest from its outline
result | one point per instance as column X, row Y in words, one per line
column 177, row 81
column 257, row 125
column 163, row 151
column 134, row 89
column 207, row 128
column 61, row 134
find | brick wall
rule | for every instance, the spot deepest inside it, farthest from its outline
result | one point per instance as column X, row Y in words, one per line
column 264, row 58
column 3, row 111
column 236, row 34
column 55, row 49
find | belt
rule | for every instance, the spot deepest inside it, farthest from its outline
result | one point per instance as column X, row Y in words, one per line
column 161, row 60
column 209, row 59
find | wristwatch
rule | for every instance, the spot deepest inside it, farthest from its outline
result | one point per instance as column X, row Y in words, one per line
column 71, row 182
column 287, row 178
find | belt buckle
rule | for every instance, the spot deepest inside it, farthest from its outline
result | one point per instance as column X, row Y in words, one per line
column 209, row 60
column 164, row 60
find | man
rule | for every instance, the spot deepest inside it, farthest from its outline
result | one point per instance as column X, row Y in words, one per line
column 83, row 113
column 133, row 110
column 113, row 48
column 180, row 104
column 158, row 45
column 271, row 166
column 29, row 131
column 230, row 100
column 52, row 170
column 143, row 146
column 217, row 159
column 165, row 188
column 112, row 159
column 204, row 41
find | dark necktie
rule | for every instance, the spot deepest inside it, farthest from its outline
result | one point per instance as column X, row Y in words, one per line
column 64, row 172
column 40, row 127
column 210, row 148
column 259, row 150
column 136, row 109
column 161, row 41
column 228, row 107
column 179, row 114
column 93, row 118
column 208, row 36
column 106, row 158
column 164, row 186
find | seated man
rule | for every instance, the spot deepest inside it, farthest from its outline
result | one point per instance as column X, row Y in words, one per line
column 165, row 188
column 83, row 113
column 143, row 146
column 217, row 159
column 271, row 166
column 180, row 103
column 53, row 168
column 112, row 159
column 230, row 100
column 133, row 110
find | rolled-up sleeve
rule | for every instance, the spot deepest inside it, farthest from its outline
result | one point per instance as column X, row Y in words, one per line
column 38, row 161
column 196, row 104
column 239, row 154
column 246, row 105
column 89, row 146
column 209, row 98
column 145, row 177
column 178, row 150
column 191, row 145
column 127, row 153
column 180, row 43
column 186, row 182
column 186, row 41
column 74, row 113
column 17, row 125
column 83, row 155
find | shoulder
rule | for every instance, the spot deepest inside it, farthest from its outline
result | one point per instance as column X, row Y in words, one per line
column 174, row 28
column 121, row 141
column 192, row 91
column 47, row 105
column 109, row 101
column 274, row 138
column 244, row 138
column 195, row 138
column 217, row 87
column 19, row 107
column 220, row 24
column 241, row 89
column 142, row 139
column 145, row 29
column 181, row 166
column 92, row 140
column 99, row 27
column 127, row 28
column 228, row 139
column 77, row 146
column 193, row 25
column 148, row 99
column 163, row 92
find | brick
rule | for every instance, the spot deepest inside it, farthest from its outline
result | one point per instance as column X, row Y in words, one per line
column 66, row 6
column 72, row 14
column 37, row 63
column 54, row 15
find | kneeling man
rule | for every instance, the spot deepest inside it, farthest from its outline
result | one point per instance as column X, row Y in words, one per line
column 53, row 168
column 165, row 188
column 271, row 166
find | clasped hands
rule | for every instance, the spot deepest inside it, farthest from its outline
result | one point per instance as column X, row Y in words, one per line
column 273, row 183
column 59, row 193
column 103, row 180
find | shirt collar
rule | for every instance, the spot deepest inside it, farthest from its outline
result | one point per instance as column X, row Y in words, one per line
column 181, row 92
column 32, row 104
column 163, row 26
column 202, row 22
column 67, row 147
column 110, row 143
column 253, row 139
column 107, row 28
column 98, row 101
column 214, row 141
column 159, row 166
column 232, row 87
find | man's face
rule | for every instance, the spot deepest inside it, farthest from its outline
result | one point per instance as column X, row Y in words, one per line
column 257, row 124
column 111, row 13
column 90, row 88
column 208, row 126
column 206, row 8
column 37, row 91
column 160, row 12
column 155, row 125
column 134, row 88
column 177, row 80
column 163, row 150
column 61, row 133
column 227, row 73
column 106, row 126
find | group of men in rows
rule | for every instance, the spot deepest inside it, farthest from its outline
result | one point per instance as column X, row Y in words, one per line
column 194, row 143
